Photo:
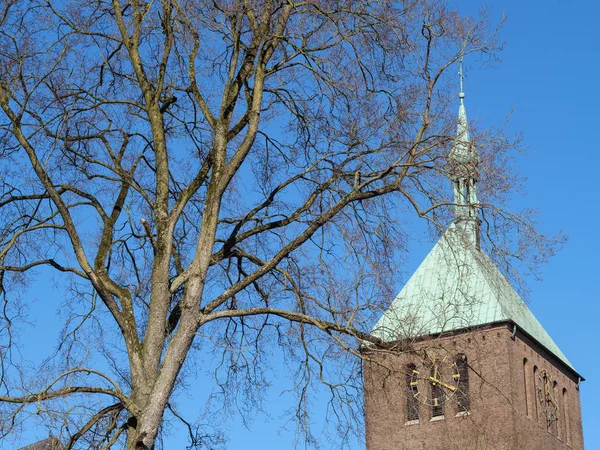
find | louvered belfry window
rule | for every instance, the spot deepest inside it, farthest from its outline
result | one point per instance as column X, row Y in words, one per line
column 462, row 392
column 412, row 391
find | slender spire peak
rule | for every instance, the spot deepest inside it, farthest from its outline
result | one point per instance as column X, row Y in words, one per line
column 462, row 151
column 464, row 160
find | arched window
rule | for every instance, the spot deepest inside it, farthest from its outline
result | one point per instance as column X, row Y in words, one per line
column 535, row 401
column 462, row 391
column 566, row 416
column 527, row 386
column 412, row 391
column 437, row 396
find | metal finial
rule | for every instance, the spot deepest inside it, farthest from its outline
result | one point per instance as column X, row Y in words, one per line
column 461, row 94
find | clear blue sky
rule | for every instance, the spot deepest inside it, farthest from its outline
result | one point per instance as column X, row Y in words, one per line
column 548, row 78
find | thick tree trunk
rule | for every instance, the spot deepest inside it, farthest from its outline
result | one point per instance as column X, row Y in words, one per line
column 154, row 401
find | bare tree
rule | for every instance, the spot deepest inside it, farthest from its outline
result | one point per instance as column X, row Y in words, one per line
column 227, row 176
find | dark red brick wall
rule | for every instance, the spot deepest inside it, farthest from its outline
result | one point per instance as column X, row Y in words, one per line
column 498, row 418
column 531, row 429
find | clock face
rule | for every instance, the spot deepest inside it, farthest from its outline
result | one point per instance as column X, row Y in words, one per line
column 435, row 380
column 547, row 397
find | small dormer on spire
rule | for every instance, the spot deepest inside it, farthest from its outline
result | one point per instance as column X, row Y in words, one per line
column 464, row 162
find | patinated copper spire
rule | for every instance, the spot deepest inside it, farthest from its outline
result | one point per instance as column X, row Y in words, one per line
column 464, row 162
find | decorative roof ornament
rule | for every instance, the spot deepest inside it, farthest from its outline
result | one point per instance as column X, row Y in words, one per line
column 464, row 163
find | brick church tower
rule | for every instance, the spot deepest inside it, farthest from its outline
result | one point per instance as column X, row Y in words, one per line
column 467, row 366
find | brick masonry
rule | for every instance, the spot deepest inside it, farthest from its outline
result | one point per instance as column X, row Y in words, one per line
column 505, row 413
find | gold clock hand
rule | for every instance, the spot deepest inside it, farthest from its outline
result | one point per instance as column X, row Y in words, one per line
column 441, row 383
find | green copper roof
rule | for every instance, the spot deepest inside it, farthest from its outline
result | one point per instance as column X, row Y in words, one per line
column 457, row 286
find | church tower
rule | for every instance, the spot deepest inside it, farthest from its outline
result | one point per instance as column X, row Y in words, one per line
column 466, row 365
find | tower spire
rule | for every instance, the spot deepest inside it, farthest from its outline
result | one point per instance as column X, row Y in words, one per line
column 464, row 162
